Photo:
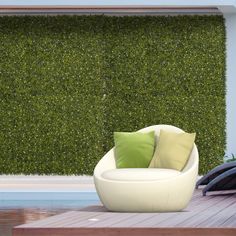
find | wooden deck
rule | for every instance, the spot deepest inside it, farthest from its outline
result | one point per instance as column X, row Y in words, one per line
column 214, row 214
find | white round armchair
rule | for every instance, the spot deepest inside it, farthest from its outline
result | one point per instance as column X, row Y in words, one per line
column 146, row 189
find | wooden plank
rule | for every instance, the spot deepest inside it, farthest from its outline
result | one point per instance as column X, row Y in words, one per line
column 125, row 232
column 231, row 222
column 51, row 219
column 82, row 223
column 221, row 217
column 206, row 214
column 162, row 217
column 180, row 219
column 109, row 221
column 101, row 220
column 137, row 219
column 77, row 217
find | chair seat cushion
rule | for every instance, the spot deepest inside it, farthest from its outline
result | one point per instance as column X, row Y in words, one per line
column 139, row 174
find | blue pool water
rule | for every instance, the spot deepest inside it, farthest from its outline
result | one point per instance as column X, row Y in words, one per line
column 48, row 195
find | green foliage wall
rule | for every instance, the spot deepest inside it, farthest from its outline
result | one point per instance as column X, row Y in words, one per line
column 68, row 82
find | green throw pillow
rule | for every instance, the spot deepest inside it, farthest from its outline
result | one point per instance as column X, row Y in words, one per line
column 173, row 150
column 134, row 150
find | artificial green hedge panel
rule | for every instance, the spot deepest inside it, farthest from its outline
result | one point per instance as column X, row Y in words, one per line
column 68, row 82
column 168, row 70
column 50, row 95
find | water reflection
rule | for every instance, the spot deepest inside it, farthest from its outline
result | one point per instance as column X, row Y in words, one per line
column 26, row 212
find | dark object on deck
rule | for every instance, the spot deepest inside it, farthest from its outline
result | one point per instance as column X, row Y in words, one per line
column 225, row 181
column 223, row 177
column 211, row 175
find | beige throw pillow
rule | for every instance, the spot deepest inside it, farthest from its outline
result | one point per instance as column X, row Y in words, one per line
column 173, row 150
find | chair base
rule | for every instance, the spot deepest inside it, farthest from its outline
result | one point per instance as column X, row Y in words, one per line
column 161, row 196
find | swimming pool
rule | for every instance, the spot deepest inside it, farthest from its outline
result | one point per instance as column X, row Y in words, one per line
column 19, row 209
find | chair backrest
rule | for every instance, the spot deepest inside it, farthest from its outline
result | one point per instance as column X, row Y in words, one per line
column 108, row 161
column 157, row 129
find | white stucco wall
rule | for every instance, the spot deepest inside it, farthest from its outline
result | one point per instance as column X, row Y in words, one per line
column 230, row 20
column 179, row 3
